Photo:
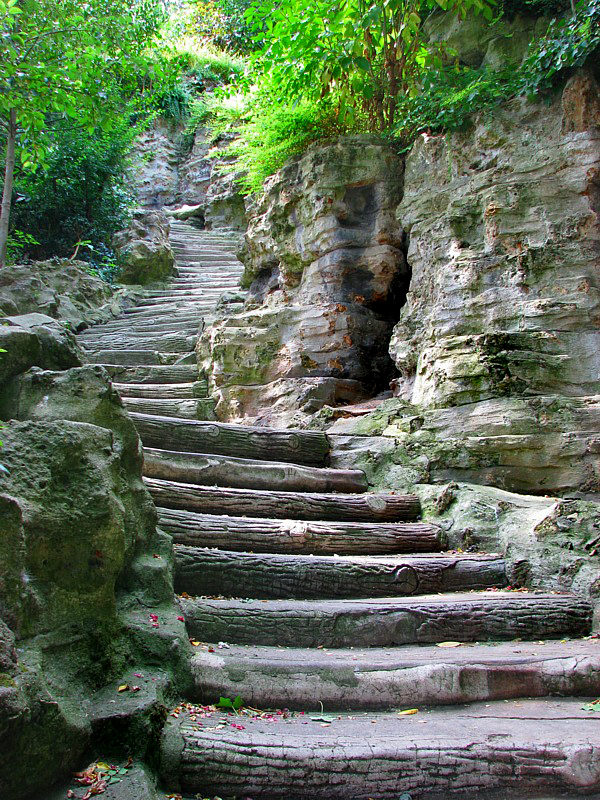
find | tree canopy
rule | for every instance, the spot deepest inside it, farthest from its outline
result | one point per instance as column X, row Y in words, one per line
column 66, row 58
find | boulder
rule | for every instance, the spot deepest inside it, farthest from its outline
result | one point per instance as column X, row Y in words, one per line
column 35, row 340
column 326, row 272
column 143, row 249
column 61, row 289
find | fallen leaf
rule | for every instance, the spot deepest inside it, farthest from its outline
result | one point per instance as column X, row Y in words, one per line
column 323, row 718
column 194, row 643
column 124, row 687
column 408, row 711
column 449, row 644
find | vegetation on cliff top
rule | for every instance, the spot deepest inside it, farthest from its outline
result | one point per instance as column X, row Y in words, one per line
column 77, row 81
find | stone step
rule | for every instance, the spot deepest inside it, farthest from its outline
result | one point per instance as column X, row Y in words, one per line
column 131, row 357
column 374, row 678
column 205, row 571
column 247, row 473
column 286, row 505
column 190, row 326
column 153, row 374
column 189, row 297
column 163, row 391
column 167, row 343
column 381, row 622
column 292, row 536
column 195, row 409
column 173, row 310
column 298, row 447
column 499, row 750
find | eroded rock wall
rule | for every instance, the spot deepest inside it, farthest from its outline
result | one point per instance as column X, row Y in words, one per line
column 83, row 567
column 326, row 273
column 498, row 344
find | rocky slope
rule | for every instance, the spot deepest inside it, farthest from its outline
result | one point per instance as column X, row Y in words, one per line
column 482, row 252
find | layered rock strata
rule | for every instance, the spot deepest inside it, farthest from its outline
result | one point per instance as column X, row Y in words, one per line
column 327, row 276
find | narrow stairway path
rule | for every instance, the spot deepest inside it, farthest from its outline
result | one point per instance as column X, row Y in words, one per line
column 303, row 590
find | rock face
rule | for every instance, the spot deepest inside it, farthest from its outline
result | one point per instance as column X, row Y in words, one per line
column 60, row 289
column 498, row 344
column 172, row 170
column 144, row 250
column 80, row 557
column 35, row 340
column 326, row 272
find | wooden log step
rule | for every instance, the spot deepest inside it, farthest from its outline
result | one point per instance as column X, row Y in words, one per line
column 467, row 617
column 293, row 536
column 504, row 750
column 194, row 409
column 286, row 505
column 153, row 374
column 246, row 473
column 204, row 571
column 400, row 677
column 130, row 357
column 297, row 447
column 163, row 391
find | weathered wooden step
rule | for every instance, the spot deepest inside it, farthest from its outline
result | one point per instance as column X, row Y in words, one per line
column 375, row 678
column 156, row 373
column 503, row 750
column 297, row 447
column 205, row 571
column 246, row 473
column 202, row 408
column 289, row 505
column 466, row 617
column 163, row 391
column 294, row 536
column 132, row 357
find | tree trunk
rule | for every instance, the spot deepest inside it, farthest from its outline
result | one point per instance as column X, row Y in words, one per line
column 9, row 171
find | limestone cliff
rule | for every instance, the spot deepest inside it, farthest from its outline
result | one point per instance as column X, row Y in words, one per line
column 326, row 273
column 498, row 343
column 496, row 339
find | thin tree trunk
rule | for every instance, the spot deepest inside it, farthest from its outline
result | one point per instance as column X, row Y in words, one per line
column 9, row 173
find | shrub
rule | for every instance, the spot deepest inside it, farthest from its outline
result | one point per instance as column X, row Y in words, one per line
column 81, row 196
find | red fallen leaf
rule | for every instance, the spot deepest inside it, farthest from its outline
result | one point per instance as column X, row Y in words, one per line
column 154, row 617
column 98, row 788
column 135, row 688
column 211, row 650
column 181, row 619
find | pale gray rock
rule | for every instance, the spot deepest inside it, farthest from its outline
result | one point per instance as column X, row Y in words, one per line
column 59, row 288
column 143, row 249
column 325, row 269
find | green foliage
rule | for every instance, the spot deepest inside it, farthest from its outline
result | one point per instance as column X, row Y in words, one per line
column 569, row 42
column 66, row 58
column 189, row 68
column 223, row 23
column 233, row 705
column 367, row 56
column 449, row 96
column 275, row 133
column 81, row 198
column 18, row 245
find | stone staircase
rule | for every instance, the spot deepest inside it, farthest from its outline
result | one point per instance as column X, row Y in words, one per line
column 410, row 671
